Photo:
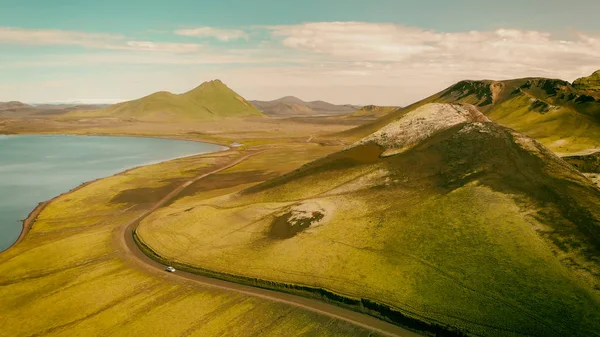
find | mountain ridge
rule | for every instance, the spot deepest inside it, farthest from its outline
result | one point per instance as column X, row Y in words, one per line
column 13, row 105
column 565, row 119
column 591, row 83
column 291, row 106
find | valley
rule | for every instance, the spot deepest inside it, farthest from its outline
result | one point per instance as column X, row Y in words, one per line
column 471, row 212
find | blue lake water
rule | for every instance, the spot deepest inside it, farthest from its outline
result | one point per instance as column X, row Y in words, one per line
column 37, row 168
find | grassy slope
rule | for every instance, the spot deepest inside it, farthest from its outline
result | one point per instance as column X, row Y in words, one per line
column 68, row 277
column 484, row 231
column 210, row 101
column 591, row 82
column 373, row 111
column 551, row 111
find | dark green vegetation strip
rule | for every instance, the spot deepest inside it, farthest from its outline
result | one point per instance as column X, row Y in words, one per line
column 368, row 306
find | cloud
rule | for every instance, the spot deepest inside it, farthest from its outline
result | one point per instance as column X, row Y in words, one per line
column 345, row 62
column 53, row 37
column 498, row 53
column 355, row 40
column 162, row 47
column 217, row 33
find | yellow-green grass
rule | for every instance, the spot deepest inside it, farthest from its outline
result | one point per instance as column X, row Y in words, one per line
column 70, row 277
column 463, row 231
column 373, row 111
column 249, row 131
column 562, row 130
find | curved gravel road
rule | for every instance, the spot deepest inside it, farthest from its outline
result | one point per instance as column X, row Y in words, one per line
column 127, row 243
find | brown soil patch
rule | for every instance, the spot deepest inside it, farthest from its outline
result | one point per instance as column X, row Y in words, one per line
column 226, row 180
column 140, row 197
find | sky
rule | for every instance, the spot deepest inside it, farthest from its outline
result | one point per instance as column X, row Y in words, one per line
column 384, row 52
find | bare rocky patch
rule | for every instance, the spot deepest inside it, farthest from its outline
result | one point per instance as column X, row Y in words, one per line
column 299, row 218
column 420, row 124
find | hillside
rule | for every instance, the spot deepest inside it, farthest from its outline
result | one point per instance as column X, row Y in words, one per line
column 563, row 118
column 373, row 111
column 589, row 163
column 290, row 106
column 210, row 101
column 440, row 217
column 13, row 105
column 590, row 83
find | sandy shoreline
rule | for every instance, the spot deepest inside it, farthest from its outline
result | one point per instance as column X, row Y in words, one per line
column 174, row 137
column 28, row 223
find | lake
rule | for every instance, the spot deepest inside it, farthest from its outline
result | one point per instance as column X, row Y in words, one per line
column 37, row 168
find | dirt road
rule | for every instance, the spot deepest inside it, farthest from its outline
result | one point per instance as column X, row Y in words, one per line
column 125, row 239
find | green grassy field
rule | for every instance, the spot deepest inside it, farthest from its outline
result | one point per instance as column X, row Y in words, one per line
column 478, row 228
column 70, row 277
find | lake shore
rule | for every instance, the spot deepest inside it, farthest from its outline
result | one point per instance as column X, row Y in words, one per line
column 29, row 221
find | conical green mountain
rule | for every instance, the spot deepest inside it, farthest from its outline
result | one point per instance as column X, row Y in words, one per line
column 210, row 101
column 440, row 220
column 561, row 116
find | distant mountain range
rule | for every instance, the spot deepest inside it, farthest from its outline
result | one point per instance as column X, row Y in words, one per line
column 15, row 109
column 291, row 106
column 13, row 105
column 211, row 100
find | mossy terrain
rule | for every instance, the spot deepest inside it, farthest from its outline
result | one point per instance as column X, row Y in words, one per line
column 478, row 229
column 210, row 101
column 70, row 276
column 564, row 117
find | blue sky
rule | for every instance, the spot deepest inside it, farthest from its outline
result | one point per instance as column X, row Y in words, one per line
column 363, row 52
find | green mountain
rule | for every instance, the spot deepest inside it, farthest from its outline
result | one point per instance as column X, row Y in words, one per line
column 210, row 101
column 591, row 83
column 440, row 220
column 561, row 116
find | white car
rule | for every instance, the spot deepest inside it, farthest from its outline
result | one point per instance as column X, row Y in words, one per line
column 170, row 269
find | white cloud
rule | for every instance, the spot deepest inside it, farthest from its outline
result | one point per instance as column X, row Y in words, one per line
column 52, row 37
column 344, row 62
column 355, row 40
column 495, row 54
column 217, row 33
column 162, row 47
